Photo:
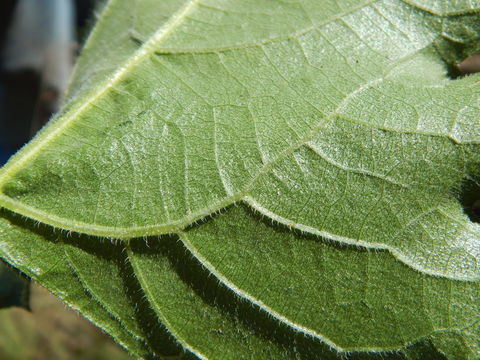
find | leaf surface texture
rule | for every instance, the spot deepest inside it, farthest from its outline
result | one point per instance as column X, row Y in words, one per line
column 283, row 180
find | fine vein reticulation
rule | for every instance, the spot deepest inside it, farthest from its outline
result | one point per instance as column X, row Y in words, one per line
column 312, row 156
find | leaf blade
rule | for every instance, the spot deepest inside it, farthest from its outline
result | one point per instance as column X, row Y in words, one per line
column 321, row 117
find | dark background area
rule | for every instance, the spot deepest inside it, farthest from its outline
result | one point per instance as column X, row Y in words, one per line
column 35, row 325
column 22, row 98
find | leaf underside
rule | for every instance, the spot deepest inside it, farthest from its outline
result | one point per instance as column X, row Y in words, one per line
column 262, row 180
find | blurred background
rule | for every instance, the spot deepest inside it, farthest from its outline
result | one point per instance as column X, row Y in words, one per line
column 39, row 40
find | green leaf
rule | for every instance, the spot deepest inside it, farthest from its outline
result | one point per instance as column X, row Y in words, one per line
column 39, row 253
column 345, row 287
column 282, row 179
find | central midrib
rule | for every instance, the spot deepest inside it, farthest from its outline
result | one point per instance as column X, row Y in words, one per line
column 185, row 221
column 144, row 51
column 149, row 47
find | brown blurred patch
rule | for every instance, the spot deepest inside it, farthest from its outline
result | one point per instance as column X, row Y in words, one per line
column 52, row 331
column 470, row 65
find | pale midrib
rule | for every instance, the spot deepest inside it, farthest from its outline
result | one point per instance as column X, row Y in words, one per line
column 147, row 49
column 397, row 254
column 260, row 304
column 126, row 233
column 293, row 35
column 158, row 309
column 281, row 318
column 17, row 161
column 177, row 225
column 78, row 273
